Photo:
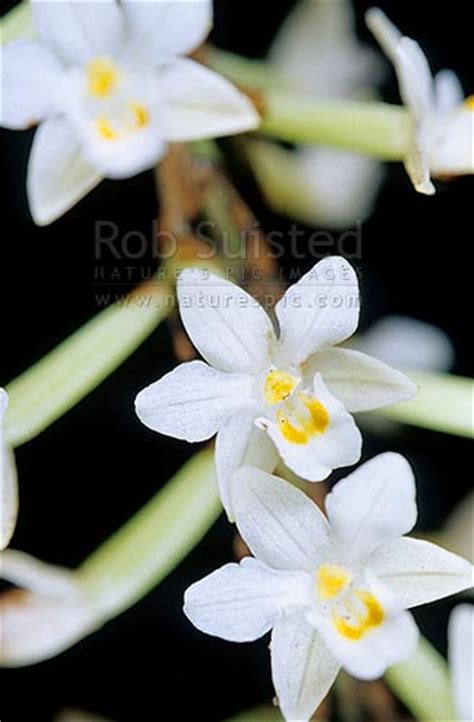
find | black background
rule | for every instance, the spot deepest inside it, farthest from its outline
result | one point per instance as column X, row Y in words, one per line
column 88, row 473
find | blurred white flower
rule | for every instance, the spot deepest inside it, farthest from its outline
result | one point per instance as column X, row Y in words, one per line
column 46, row 615
column 442, row 120
column 110, row 86
column 295, row 387
column 461, row 660
column 8, row 481
column 334, row 590
column 407, row 343
column 318, row 51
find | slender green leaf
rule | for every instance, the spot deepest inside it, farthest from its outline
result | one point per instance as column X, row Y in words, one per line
column 444, row 403
column 137, row 557
column 423, row 684
column 17, row 24
column 123, row 570
column 369, row 128
column 67, row 374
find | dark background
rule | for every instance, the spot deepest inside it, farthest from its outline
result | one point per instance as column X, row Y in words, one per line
column 89, row 472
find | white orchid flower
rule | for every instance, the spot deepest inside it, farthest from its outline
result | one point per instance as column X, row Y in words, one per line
column 110, row 85
column 334, row 591
column 8, row 481
column 46, row 614
column 294, row 387
column 461, row 660
column 442, row 120
column 407, row 343
column 318, row 51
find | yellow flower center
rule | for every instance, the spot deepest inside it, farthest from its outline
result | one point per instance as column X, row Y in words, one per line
column 309, row 419
column 469, row 102
column 137, row 118
column 278, row 386
column 331, row 580
column 102, row 77
column 353, row 612
column 360, row 614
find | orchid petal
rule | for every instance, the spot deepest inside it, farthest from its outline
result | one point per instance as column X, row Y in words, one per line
column 193, row 401
column 30, row 74
column 199, row 103
column 373, row 505
column 240, row 443
column 241, row 602
column 339, row 444
column 320, row 310
column 360, row 382
column 79, row 31
column 58, row 175
column 167, row 28
column 418, row 572
column 228, row 327
column 279, row 523
column 303, row 669
column 394, row 641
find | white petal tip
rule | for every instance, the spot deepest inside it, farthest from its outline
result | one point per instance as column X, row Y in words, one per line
column 374, row 16
column 427, row 189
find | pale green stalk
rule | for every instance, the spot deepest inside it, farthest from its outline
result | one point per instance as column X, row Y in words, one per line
column 423, row 685
column 149, row 546
column 63, row 377
column 131, row 563
column 369, row 128
column 253, row 74
column 443, row 403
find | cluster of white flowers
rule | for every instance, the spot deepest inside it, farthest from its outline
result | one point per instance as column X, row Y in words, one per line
column 333, row 589
column 110, row 85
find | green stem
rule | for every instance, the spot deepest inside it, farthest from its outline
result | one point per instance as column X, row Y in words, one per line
column 149, row 546
column 443, row 403
column 254, row 74
column 63, row 377
column 423, row 685
column 370, row 128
